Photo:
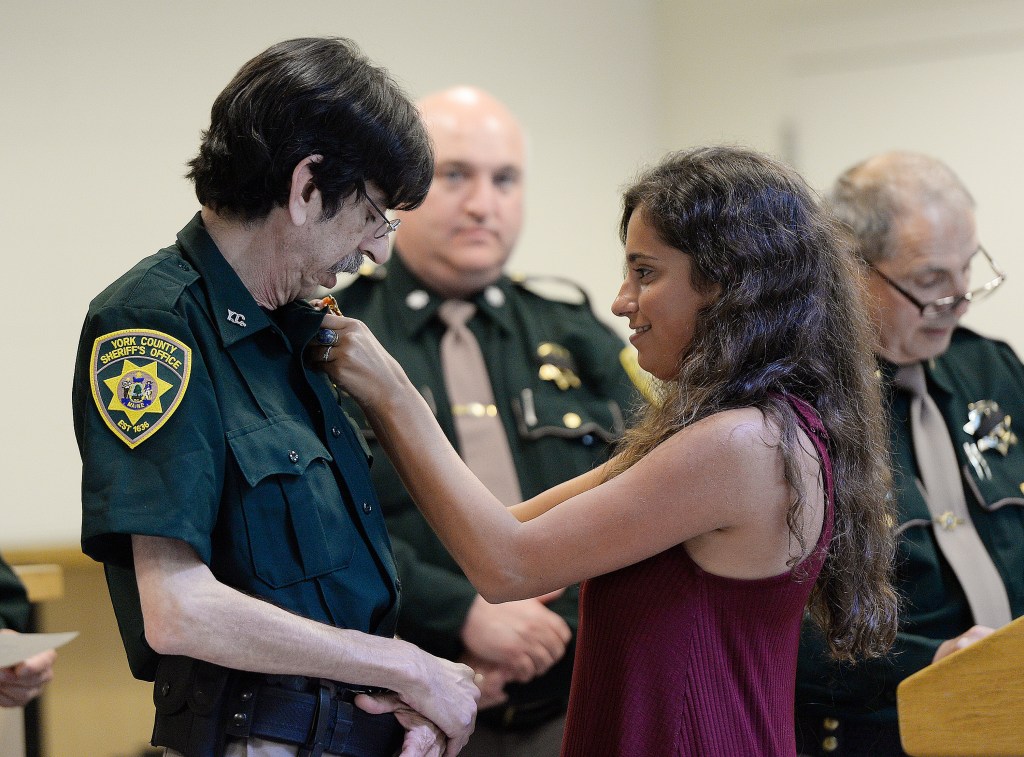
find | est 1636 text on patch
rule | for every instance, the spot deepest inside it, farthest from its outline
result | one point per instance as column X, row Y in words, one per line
column 138, row 377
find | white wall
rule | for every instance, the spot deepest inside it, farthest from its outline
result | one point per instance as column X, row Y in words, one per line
column 826, row 83
column 101, row 105
column 940, row 78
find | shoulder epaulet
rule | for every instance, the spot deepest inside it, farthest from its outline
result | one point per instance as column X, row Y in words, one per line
column 156, row 281
column 967, row 346
column 554, row 288
column 171, row 265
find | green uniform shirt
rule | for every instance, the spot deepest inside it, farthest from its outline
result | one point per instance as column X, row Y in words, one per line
column 556, row 429
column 14, row 608
column 934, row 607
column 197, row 419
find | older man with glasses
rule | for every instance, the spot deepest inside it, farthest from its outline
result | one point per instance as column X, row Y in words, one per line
column 957, row 465
column 224, row 489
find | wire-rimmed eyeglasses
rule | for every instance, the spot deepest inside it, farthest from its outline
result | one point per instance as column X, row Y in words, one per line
column 944, row 305
column 387, row 226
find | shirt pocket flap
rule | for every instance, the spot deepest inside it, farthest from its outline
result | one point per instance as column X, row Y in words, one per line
column 567, row 416
column 280, row 446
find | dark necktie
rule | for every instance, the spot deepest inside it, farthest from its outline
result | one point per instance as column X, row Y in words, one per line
column 944, row 494
column 482, row 441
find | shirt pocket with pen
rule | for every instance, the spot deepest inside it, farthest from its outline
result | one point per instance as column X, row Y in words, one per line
column 574, row 414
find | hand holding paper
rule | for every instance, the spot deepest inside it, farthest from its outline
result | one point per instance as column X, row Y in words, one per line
column 26, row 664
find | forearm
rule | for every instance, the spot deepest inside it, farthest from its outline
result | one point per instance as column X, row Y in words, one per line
column 500, row 555
column 478, row 531
column 556, row 495
column 188, row 612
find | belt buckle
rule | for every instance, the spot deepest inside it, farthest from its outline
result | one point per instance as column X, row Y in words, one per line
column 509, row 715
column 322, row 717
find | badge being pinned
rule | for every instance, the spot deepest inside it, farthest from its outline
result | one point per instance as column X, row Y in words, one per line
column 138, row 380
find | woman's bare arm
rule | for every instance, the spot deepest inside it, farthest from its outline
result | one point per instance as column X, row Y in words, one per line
column 719, row 473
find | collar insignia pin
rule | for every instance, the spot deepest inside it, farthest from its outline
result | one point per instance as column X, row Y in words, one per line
column 417, row 299
column 494, row 296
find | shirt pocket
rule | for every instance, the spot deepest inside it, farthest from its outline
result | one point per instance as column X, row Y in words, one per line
column 296, row 521
column 546, row 412
column 996, row 481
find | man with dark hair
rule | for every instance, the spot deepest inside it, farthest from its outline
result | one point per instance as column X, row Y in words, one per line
column 224, row 489
column 957, row 464
column 540, row 404
column 21, row 683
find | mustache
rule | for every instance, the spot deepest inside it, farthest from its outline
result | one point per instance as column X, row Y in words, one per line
column 348, row 264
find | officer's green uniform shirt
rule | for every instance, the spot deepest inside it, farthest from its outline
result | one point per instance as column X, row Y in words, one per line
column 14, row 607
column 252, row 462
column 934, row 607
column 555, row 432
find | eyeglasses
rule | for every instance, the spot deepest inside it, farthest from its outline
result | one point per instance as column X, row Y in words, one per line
column 388, row 226
column 944, row 305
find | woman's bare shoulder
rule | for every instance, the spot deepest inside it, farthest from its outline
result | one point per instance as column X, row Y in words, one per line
column 741, row 431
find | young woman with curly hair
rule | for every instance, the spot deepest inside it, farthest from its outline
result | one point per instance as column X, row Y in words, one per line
column 753, row 489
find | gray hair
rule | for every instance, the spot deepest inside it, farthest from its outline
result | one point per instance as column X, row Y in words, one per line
column 872, row 197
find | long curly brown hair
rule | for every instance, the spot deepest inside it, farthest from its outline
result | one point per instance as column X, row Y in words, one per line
column 790, row 320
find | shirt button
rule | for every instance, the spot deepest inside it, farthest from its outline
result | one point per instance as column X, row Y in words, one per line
column 830, row 743
column 335, row 432
column 367, row 508
column 183, row 266
column 293, row 456
column 587, row 440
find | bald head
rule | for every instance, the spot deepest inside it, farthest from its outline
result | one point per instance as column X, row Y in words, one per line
column 459, row 239
column 875, row 197
column 913, row 220
column 473, row 107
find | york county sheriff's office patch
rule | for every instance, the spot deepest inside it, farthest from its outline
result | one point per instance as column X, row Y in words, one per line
column 138, row 380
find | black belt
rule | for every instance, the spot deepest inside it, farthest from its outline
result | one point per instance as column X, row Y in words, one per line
column 320, row 721
column 522, row 716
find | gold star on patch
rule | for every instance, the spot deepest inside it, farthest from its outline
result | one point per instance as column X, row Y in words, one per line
column 137, row 390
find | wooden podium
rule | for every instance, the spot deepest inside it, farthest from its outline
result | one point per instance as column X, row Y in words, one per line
column 970, row 703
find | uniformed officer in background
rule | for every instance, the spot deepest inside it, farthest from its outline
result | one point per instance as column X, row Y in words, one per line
column 20, row 683
column 531, row 390
column 223, row 487
column 958, row 465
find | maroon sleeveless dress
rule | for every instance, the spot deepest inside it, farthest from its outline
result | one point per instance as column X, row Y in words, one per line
column 673, row 660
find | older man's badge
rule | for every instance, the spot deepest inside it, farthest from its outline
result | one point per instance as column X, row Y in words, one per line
column 991, row 430
column 139, row 378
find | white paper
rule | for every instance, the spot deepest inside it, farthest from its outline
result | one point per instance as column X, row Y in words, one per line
column 15, row 647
